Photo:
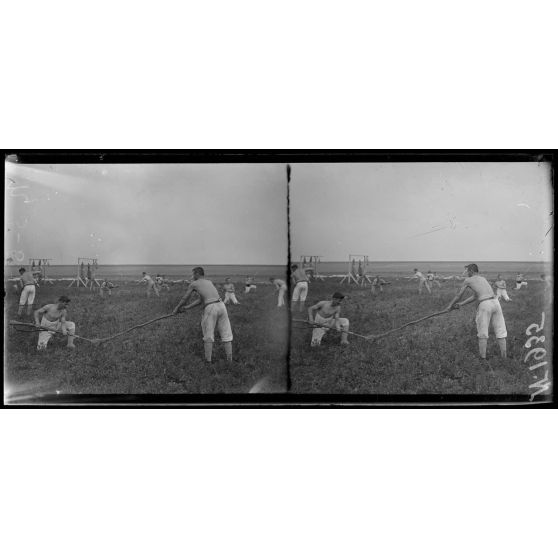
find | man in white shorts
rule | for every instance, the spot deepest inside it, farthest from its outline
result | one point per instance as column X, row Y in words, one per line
column 53, row 316
column 422, row 281
column 27, row 297
column 249, row 284
column 151, row 285
column 106, row 288
column 328, row 313
column 281, row 288
column 229, row 291
column 300, row 291
column 432, row 280
column 161, row 283
column 214, row 313
column 519, row 281
column 501, row 291
column 489, row 311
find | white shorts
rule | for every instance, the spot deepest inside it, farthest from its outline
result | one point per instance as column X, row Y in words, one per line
column 489, row 312
column 319, row 332
column 27, row 295
column 300, row 291
column 44, row 336
column 215, row 315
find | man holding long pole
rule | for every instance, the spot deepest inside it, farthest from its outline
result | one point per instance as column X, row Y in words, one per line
column 489, row 311
column 214, row 313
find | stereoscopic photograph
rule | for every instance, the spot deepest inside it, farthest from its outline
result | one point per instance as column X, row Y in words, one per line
column 311, row 281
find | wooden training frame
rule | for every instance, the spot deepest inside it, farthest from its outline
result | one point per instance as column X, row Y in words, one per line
column 87, row 280
column 357, row 271
column 40, row 265
column 311, row 263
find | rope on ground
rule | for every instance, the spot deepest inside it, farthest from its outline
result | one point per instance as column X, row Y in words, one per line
column 26, row 327
column 314, row 325
column 374, row 337
column 23, row 325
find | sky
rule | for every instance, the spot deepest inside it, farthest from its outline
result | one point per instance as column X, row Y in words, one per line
column 422, row 211
column 147, row 213
column 237, row 214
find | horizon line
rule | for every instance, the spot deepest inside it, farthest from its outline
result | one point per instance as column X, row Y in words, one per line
column 286, row 263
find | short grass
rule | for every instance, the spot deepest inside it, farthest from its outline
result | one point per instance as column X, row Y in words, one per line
column 437, row 356
column 165, row 357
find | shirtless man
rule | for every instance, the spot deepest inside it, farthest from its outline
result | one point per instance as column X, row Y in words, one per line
column 281, row 288
column 151, row 285
column 249, row 285
column 214, row 313
column 432, row 279
column 300, row 291
column 53, row 316
column 422, row 281
column 161, row 282
column 328, row 314
column 519, row 281
column 230, row 295
column 501, row 291
column 106, row 288
column 489, row 310
column 28, row 284
column 378, row 283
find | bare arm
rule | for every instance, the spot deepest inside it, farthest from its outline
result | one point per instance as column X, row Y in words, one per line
column 456, row 298
column 184, row 299
column 196, row 302
column 63, row 323
column 311, row 311
column 38, row 314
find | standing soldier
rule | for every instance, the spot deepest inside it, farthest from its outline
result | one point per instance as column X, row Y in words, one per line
column 214, row 313
column 489, row 311
column 501, row 291
column 249, row 285
column 281, row 288
column 106, row 288
column 230, row 295
column 151, row 285
column 28, row 284
column 519, row 281
column 300, row 291
column 422, row 281
column 432, row 279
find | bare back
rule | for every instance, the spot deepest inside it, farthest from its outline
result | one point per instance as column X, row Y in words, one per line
column 480, row 286
column 205, row 288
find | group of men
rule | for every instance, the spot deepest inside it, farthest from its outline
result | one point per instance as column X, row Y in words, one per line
column 323, row 316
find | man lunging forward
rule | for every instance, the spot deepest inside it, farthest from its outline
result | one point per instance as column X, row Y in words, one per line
column 328, row 314
column 214, row 313
column 489, row 310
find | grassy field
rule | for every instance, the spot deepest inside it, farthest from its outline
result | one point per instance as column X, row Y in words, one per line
column 165, row 357
column 437, row 356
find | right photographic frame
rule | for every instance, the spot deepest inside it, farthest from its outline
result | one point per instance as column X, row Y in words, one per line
column 422, row 278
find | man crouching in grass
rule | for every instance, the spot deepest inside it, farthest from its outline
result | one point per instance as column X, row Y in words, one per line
column 489, row 310
column 53, row 317
column 214, row 313
column 328, row 314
